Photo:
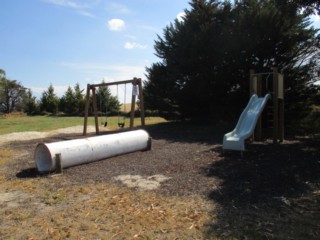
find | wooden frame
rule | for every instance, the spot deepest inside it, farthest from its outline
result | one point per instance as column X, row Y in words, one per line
column 92, row 87
column 277, row 103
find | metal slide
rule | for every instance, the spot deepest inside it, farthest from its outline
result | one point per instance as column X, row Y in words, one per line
column 246, row 124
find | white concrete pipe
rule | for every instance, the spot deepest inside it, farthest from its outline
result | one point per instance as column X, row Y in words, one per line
column 80, row 151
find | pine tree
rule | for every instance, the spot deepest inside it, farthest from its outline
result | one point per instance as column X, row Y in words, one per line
column 68, row 102
column 31, row 106
column 106, row 103
column 78, row 94
column 49, row 101
column 205, row 59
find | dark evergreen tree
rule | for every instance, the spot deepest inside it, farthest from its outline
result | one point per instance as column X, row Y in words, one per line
column 106, row 103
column 205, row 59
column 279, row 35
column 49, row 101
column 31, row 106
column 72, row 102
column 78, row 94
column 68, row 102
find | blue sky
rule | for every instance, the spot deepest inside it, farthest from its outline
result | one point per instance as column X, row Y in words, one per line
column 64, row 42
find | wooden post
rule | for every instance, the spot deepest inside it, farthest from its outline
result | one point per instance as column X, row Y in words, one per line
column 251, row 83
column 59, row 167
column 258, row 129
column 281, row 120
column 133, row 103
column 86, row 110
column 252, row 90
column 275, row 106
column 141, row 103
column 95, row 111
column 256, row 88
column 259, row 85
column 281, row 107
column 149, row 144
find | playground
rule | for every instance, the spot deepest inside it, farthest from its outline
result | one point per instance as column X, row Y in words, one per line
column 165, row 180
column 183, row 188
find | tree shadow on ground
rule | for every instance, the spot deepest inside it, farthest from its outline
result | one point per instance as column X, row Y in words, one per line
column 272, row 192
column 188, row 132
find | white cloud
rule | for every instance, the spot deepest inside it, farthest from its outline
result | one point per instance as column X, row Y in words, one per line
column 132, row 45
column 116, row 24
column 181, row 16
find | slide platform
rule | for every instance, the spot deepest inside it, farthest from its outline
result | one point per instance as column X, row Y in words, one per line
column 246, row 124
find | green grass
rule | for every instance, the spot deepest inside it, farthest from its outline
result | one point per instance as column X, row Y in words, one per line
column 47, row 123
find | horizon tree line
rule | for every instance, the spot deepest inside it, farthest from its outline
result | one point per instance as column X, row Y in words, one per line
column 15, row 97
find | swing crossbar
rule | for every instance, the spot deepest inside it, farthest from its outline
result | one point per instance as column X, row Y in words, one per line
column 265, row 73
column 113, row 83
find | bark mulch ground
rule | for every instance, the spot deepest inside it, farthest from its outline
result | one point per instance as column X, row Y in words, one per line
column 269, row 188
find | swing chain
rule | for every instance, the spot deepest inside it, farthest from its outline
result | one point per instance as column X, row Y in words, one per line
column 122, row 123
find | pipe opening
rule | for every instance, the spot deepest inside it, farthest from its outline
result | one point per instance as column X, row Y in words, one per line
column 43, row 158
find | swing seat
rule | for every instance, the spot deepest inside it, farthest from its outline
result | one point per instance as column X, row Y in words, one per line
column 121, row 125
column 105, row 124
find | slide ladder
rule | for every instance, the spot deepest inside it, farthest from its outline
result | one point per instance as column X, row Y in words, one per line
column 246, row 124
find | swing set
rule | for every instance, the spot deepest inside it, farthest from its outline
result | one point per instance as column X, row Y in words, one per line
column 136, row 91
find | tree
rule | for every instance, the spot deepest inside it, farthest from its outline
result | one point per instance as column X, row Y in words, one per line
column 2, row 73
column 205, row 59
column 11, row 93
column 49, row 101
column 106, row 103
column 307, row 6
column 292, row 46
column 2, row 76
column 31, row 106
column 68, row 102
column 78, row 94
column 72, row 101
column 189, row 80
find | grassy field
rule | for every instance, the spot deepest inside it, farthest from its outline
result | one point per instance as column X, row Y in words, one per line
column 126, row 107
column 47, row 123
